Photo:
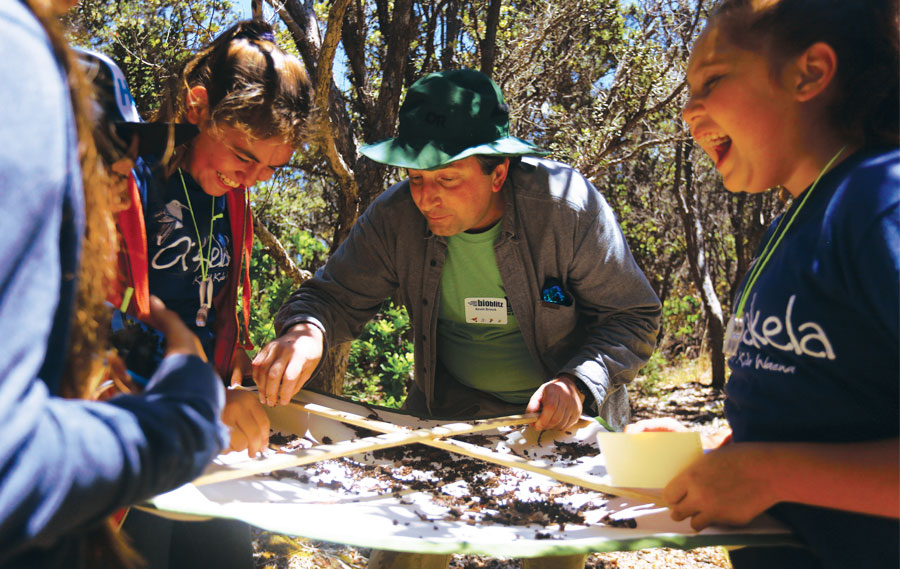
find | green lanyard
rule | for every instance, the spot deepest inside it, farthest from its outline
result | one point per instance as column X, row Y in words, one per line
column 206, row 285
column 204, row 263
column 776, row 237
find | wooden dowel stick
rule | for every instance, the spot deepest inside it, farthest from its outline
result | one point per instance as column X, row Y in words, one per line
column 460, row 428
column 540, row 467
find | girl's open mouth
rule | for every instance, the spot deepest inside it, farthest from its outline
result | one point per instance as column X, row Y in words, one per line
column 720, row 147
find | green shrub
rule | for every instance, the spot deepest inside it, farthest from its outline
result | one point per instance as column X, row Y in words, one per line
column 651, row 374
column 381, row 359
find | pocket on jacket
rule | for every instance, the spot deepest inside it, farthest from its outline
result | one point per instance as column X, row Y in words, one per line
column 554, row 323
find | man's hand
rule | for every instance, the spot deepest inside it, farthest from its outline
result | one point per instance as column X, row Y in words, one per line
column 247, row 421
column 282, row 367
column 726, row 486
column 559, row 402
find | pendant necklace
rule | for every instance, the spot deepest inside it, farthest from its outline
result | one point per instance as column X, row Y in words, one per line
column 735, row 329
column 206, row 285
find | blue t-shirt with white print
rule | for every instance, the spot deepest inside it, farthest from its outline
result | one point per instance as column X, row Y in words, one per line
column 818, row 360
column 178, row 215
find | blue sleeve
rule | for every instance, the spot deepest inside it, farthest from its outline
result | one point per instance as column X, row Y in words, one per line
column 867, row 240
column 878, row 274
column 69, row 463
column 66, row 463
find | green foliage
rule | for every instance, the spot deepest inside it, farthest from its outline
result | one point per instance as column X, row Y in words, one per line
column 381, row 360
column 310, row 251
column 682, row 321
column 292, row 206
column 270, row 288
column 652, row 374
column 269, row 291
column 148, row 39
column 682, row 313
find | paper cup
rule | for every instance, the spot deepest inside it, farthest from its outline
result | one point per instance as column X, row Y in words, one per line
column 647, row 460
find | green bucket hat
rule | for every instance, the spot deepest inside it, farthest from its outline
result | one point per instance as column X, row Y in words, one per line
column 448, row 116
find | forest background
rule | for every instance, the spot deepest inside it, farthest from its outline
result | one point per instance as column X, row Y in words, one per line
column 600, row 83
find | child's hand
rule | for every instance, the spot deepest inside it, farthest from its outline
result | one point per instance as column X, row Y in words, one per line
column 726, row 486
column 241, row 367
column 179, row 338
column 248, row 422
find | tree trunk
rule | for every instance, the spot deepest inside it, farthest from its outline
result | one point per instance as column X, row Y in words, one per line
column 382, row 119
column 489, row 43
column 696, row 253
column 452, row 26
column 331, row 130
column 330, row 377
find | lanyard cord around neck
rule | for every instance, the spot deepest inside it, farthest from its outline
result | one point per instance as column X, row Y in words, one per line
column 204, row 263
column 776, row 237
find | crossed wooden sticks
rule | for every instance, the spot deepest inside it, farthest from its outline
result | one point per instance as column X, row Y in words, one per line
column 395, row 435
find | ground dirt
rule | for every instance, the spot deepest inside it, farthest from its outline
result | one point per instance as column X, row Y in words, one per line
column 694, row 403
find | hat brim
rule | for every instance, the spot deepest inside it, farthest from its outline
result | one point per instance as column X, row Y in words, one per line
column 155, row 138
column 429, row 156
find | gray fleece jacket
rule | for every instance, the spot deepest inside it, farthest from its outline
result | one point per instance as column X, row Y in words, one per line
column 556, row 225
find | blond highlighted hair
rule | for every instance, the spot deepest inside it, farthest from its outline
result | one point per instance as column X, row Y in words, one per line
column 252, row 85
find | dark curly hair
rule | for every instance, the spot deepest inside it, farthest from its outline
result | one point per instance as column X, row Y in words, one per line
column 863, row 33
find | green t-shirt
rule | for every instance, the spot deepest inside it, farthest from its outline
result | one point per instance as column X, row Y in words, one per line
column 478, row 340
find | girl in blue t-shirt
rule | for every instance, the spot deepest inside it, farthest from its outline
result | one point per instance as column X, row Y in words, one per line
column 803, row 95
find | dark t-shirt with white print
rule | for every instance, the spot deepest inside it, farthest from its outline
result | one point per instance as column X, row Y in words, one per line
column 178, row 215
column 818, row 360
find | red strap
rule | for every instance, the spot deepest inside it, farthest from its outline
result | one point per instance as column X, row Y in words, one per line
column 133, row 266
column 247, row 252
column 228, row 333
column 119, row 517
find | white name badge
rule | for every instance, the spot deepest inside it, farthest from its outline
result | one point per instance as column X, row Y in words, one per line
column 486, row 311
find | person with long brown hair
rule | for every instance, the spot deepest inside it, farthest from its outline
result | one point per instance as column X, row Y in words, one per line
column 249, row 100
column 67, row 464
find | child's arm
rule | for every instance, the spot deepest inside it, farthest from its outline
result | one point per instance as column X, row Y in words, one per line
column 739, row 481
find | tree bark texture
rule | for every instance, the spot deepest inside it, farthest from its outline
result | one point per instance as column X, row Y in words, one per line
column 330, row 134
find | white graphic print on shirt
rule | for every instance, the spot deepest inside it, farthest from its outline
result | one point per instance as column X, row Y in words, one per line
column 175, row 244
column 807, row 339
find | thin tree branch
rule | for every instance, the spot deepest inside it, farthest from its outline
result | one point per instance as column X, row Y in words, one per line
column 279, row 254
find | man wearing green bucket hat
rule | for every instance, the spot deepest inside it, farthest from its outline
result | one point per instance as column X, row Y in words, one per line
column 449, row 116
column 521, row 290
